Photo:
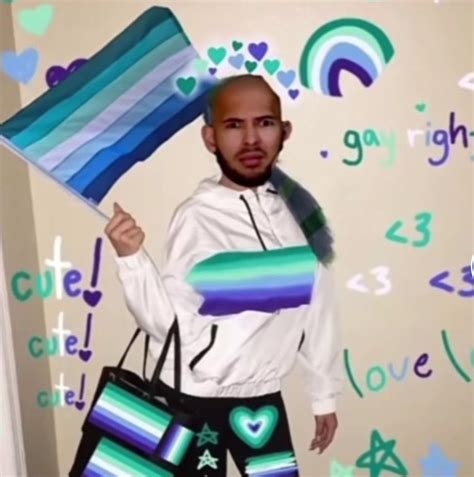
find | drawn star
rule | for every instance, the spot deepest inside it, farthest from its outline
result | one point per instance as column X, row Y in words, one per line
column 437, row 464
column 339, row 470
column 378, row 445
column 207, row 459
column 207, row 436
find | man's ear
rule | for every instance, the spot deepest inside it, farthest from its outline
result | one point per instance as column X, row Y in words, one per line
column 209, row 138
column 287, row 129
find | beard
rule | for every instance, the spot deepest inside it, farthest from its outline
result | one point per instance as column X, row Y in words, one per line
column 241, row 179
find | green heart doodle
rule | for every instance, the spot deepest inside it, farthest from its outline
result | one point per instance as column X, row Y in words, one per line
column 37, row 20
column 217, row 54
column 255, row 428
column 237, row 45
column 271, row 66
column 201, row 65
column 421, row 107
column 186, row 85
column 251, row 66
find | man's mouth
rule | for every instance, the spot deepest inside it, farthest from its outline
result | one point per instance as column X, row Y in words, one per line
column 251, row 159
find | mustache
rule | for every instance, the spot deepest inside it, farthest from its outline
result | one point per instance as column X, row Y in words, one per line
column 249, row 151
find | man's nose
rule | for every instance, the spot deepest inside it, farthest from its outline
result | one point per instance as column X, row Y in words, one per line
column 251, row 135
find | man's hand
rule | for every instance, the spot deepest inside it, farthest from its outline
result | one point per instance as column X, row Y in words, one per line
column 326, row 425
column 123, row 233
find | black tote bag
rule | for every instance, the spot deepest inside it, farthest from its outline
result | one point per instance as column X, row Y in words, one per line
column 134, row 425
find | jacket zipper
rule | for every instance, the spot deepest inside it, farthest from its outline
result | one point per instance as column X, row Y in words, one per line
column 206, row 350
column 249, row 210
column 301, row 341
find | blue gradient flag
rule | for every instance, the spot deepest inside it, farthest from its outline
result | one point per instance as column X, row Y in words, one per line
column 117, row 109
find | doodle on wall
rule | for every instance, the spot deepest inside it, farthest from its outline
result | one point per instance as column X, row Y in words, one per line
column 37, row 20
column 57, row 74
column 439, row 282
column 22, row 66
column 63, row 342
column 257, row 62
column 377, row 378
column 347, row 44
column 446, row 139
column 380, row 273
column 437, row 463
column 381, row 457
column 424, row 222
column 339, row 470
column 467, row 81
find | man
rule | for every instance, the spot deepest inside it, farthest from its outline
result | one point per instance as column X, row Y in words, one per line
column 249, row 294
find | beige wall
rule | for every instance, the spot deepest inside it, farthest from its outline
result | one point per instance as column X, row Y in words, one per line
column 434, row 49
column 17, row 226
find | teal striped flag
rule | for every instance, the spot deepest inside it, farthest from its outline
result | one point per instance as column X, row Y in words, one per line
column 117, row 109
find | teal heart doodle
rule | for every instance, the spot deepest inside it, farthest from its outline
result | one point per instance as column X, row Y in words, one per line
column 255, row 428
column 186, row 85
column 237, row 45
column 251, row 66
column 217, row 55
column 271, row 66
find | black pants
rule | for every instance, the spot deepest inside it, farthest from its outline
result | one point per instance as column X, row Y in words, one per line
column 254, row 430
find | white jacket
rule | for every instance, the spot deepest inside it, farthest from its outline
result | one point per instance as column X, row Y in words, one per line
column 243, row 317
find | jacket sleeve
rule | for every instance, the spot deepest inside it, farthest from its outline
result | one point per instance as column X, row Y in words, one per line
column 321, row 351
column 152, row 296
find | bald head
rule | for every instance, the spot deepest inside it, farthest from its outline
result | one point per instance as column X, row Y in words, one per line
column 231, row 87
column 244, row 129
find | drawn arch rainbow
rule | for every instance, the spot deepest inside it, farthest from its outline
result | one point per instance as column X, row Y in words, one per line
column 347, row 44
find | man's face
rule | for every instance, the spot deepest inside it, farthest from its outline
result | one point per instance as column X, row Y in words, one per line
column 247, row 133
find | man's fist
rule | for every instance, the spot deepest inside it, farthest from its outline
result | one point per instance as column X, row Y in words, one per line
column 123, row 233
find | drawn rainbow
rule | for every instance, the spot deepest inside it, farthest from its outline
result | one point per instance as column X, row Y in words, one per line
column 347, row 44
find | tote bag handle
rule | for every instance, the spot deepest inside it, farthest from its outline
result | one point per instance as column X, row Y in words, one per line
column 173, row 332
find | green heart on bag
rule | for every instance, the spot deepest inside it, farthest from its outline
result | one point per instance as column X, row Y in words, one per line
column 255, row 428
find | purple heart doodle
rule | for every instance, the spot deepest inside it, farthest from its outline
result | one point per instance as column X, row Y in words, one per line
column 254, row 427
column 92, row 297
column 324, row 154
column 85, row 354
column 293, row 93
column 259, row 50
column 286, row 77
column 237, row 61
column 57, row 74
column 80, row 405
column 212, row 71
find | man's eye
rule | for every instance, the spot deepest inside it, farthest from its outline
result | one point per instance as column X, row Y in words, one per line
column 268, row 122
column 232, row 125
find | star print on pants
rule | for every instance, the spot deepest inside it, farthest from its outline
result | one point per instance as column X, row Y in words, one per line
column 369, row 460
column 206, row 459
column 438, row 464
column 207, row 436
column 339, row 470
